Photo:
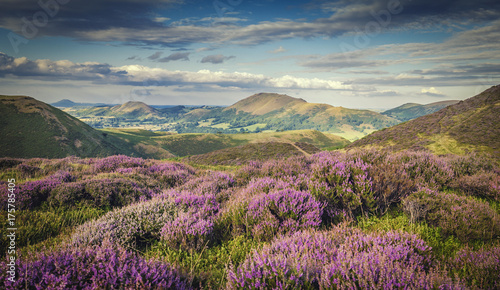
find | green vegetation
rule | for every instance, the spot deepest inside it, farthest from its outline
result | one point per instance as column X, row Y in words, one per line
column 412, row 111
column 34, row 129
column 470, row 125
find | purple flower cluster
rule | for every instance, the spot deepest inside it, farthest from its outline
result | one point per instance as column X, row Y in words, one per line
column 170, row 174
column 466, row 218
column 193, row 226
column 342, row 258
column 341, row 184
column 283, row 211
column 112, row 163
column 32, row 194
column 101, row 193
column 134, row 225
column 93, row 268
column 479, row 268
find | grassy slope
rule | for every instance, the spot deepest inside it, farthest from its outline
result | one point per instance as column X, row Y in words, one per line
column 473, row 124
column 244, row 153
column 411, row 111
column 194, row 144
column 34, row 129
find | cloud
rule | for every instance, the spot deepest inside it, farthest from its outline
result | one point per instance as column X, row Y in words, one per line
column 216, row 58
column 132, row 21
column 134, row 57
column 278, row 50
column 60, row 69
column 431, row 91
column 175, row 56
column 143, row 76
column 155, row 55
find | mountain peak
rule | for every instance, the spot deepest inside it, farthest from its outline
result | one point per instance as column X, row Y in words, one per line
column 263, row 103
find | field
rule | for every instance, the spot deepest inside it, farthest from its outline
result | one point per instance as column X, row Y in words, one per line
column 358, row 219
column 197, row 143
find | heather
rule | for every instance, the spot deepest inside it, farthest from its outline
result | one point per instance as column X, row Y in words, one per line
column 103, row 267
column 358, row 219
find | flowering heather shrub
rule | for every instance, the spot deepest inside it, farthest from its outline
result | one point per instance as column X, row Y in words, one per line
column 28, row 171
column 478, row 268
column 467, row 219
column 187, row 231
column 112, row 163
column 211, row 183
column 170, row 174
column 6, row 162
column 469, row 164
column 483, row 184
column 342, row 185
column 193, row 226
column 100, row 193
column 425, row 168
column 283, row 211
column 342, row 258
column 32, row 194
column 93, row 268
column 288, row 167
column 134, row 225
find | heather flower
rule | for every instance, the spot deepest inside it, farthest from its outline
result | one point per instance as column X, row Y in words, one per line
column 466, row 218
column 112, row 163
column 342, row 185
column 479, row 268
column 134, row 225
column 101, row 193
column 93, row 268
column 341, row 258
column 283, row 211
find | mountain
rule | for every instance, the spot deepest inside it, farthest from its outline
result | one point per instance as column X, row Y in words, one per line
column 411, row 111
column 470, row 125
column 30, row 128
column 281, row 112
column 134, row 110
column 65, row 103
column 263, row 103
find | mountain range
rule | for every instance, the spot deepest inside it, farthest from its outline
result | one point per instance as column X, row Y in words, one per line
column 259, row 112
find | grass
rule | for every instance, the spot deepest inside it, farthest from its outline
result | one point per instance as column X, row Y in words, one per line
column 208, row 266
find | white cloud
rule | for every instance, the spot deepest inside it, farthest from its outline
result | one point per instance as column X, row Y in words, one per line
column 278, row 50
column 431, row 90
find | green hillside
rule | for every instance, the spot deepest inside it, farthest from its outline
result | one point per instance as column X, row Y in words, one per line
column 197, row 143
column 30, row 128
column 412, row 111
column 470, row 125
column 243, row 154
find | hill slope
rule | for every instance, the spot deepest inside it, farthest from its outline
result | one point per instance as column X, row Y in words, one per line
column 135, row 110
column 263, row 103
column 411, row 111
column 473, row 124
column 30, row 128
column 194, row 144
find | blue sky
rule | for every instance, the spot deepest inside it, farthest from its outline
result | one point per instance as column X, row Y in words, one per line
column 357, row 54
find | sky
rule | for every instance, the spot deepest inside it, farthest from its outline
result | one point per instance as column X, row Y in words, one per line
column 375, row 54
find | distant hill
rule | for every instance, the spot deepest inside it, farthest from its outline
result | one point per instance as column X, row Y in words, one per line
column 412, row 111
column 65, row 103
column 135, row 110
column 259, row 112
column 30, row 128
column 263, row 103
column 470, row 125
